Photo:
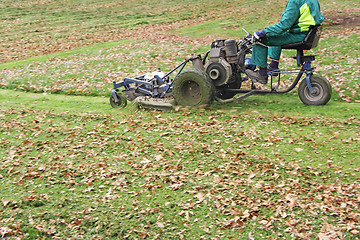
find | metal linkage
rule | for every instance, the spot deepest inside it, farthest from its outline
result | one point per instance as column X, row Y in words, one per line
column 157, row 87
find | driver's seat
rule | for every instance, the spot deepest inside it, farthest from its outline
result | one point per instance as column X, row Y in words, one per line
column 311, row 41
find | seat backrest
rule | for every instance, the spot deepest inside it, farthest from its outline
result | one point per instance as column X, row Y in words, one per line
column 312, row 38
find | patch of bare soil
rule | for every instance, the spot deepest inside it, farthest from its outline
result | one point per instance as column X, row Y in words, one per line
column 342, row 20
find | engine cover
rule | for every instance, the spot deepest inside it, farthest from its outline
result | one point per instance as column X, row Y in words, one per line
column 219, row 71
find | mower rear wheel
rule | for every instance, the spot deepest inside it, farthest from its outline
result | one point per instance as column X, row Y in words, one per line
column 193, row 88
column 322, row 91
column 122, row 101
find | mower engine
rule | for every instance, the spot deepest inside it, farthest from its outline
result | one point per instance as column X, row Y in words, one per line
column 222, row 64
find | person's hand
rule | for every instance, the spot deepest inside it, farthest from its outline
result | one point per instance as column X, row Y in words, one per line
column 259, row 34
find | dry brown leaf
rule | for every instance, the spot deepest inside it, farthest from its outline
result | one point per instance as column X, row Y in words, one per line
column 5, row 230
column 200, row 196
column 217, row 179
column 175, row 186
column 298, row 149
column 5, row 202
column 160, row 224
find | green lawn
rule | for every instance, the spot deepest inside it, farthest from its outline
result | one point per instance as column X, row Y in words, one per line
column 71, row 167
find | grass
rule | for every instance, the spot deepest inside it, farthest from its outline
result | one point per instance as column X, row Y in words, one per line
column 104, row 43
column 77, row 71
column 64, row 54
column 73, row 167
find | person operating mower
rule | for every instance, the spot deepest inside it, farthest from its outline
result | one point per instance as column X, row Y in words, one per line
column 295, row 22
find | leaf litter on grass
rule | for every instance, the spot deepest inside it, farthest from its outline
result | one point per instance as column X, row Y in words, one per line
column 172, row 175
column 93, row 73
column 185, row 174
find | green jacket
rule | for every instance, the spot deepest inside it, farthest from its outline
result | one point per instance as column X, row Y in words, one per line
column 298, row 16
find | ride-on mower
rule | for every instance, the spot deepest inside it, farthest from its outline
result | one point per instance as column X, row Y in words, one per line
column 219, row 75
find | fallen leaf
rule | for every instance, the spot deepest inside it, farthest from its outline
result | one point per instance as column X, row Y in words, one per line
column 5, row 202
column 217, row 179
column 160, row 225
column 251, row 175
column 200, row 196
column 4, row 231
column 42, row 167
column 175, row 186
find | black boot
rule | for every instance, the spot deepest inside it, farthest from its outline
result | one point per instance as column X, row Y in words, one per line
column 255, row 76
column 273, row 67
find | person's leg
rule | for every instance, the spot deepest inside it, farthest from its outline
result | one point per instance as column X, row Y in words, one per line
column 274, row 52
column 276, row 42
column 260, row 53
column 259, row 58
column 283, row 39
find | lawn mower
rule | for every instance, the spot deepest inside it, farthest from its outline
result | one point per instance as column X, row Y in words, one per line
column 219, row 75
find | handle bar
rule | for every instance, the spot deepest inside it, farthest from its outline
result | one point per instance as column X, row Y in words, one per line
column 247, row 33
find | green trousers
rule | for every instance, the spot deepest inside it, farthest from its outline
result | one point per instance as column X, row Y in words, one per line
column 260, row 53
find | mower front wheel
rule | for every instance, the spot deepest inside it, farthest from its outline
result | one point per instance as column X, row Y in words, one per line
column 121, row 100
column 321, row 93
column 193, row 88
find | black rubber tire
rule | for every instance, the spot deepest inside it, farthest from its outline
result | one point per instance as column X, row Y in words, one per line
column 322, row 89
column 193, row 88
column 121, row 103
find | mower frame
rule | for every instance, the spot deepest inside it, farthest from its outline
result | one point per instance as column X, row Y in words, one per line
column 152, row 84
column 161, row 87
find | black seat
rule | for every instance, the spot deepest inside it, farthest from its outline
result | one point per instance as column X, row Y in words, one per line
column 311, row 40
